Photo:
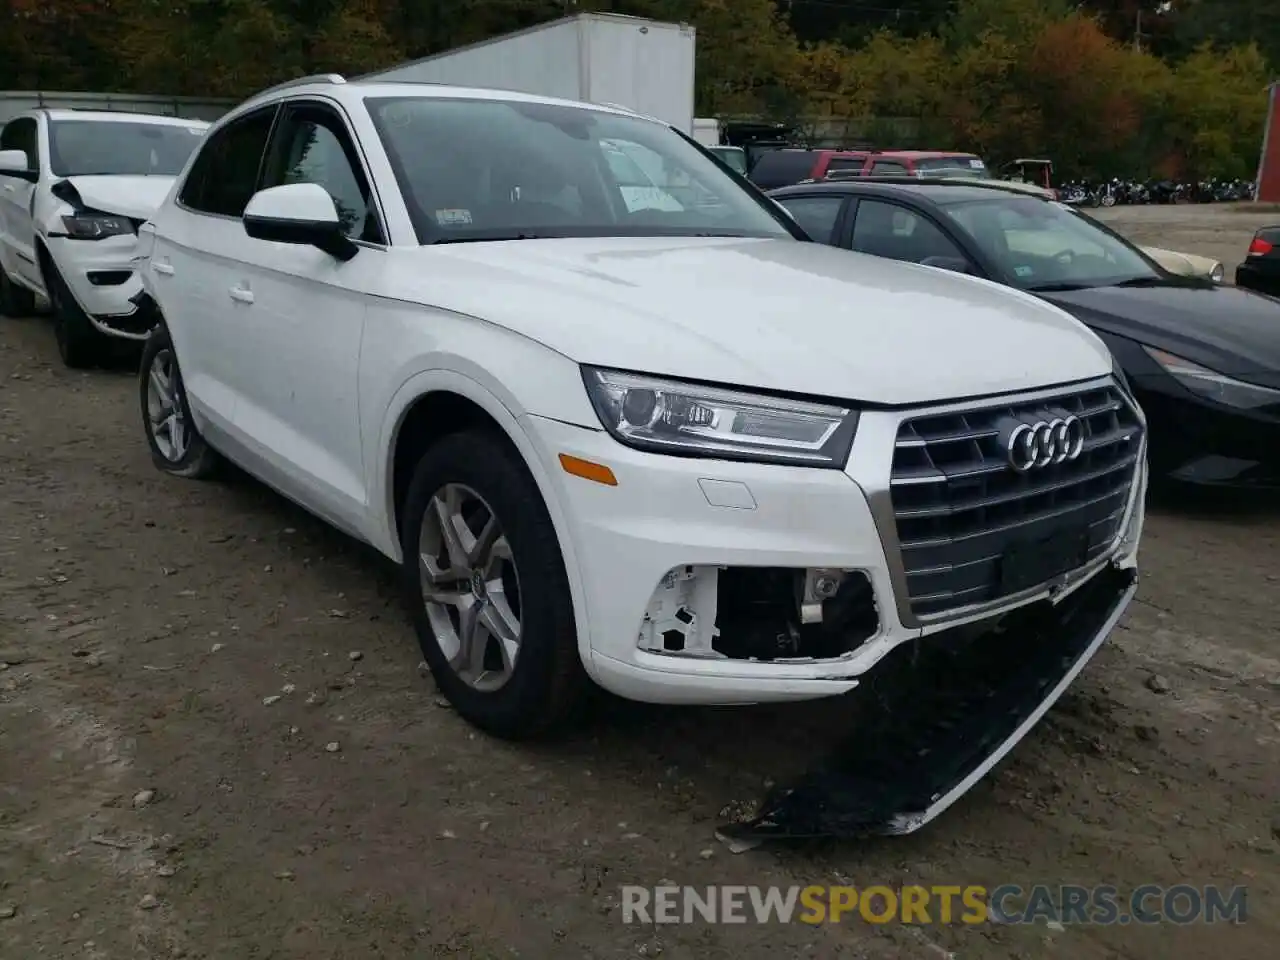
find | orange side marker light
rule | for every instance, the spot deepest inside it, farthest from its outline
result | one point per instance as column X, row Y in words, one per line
column 587, row 470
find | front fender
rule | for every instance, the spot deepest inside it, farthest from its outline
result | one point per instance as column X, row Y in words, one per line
column 384, row 534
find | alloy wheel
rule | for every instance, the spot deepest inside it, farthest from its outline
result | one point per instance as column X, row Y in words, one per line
column 166, row 414
column 470, row 587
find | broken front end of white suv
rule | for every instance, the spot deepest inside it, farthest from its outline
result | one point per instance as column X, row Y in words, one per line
column 954, row 577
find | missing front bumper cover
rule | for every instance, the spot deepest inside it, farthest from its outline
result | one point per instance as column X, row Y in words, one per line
column 933, row 719
column 760, row 613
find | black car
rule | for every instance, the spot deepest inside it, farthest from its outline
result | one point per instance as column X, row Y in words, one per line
column 1203, row 359
column 1261, row 270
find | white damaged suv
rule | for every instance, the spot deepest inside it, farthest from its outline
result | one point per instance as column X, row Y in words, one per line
column 667, row 446
column 74, row 186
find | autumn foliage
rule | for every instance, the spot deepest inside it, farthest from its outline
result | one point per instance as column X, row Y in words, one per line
column 1004, row 77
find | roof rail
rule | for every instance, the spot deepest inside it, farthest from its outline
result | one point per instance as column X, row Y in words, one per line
column 303, row 81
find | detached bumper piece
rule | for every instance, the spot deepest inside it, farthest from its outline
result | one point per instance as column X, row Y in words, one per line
column 142, row 321
column 936, row 715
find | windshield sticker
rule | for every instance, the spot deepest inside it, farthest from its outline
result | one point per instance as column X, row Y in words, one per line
column 1023, row 271
column 977, row 164
column 453, row 218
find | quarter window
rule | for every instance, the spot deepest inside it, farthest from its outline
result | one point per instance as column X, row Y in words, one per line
column 225, row 174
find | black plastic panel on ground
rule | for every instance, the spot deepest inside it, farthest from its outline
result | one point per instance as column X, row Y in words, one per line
column 959, row 506
column 931, row 714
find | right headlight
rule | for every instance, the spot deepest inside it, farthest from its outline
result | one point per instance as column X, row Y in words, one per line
column 688, row 419
column 1213, row 385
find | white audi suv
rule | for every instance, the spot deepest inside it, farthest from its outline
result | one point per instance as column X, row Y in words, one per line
column 654, row 440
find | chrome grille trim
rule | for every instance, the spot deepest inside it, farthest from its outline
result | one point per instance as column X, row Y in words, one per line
column 876, row 450
column 958, row 505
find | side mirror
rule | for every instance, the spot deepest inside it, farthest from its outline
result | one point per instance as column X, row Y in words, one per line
column 298, row 213
column 954, row 264
column 13, row 163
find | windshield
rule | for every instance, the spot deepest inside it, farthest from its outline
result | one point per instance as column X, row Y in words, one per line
column 963, row 166
column 80, row 148
column 733, row 157
column 490, row 169
column 1041, row 245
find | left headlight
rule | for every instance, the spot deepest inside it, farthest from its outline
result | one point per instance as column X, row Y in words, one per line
column 96, row 226
column 1218, row 273
column 1213, row 385
column 689, row 419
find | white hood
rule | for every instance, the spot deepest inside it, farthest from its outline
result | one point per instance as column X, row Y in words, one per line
column 138, row 197
column 772, row 314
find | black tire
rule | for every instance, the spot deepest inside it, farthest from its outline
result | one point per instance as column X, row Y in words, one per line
column 198, row 460
column 80, row 344
column 545, row 686
column 15, row 301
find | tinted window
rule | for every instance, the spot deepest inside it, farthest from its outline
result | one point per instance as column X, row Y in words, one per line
column 782, row 168
column 225, row 174
column 312, row 145
column 81, row 148
column 492, row 170
column 20, row 134
column 888, row 230
column 888, row 168
column 816, row 215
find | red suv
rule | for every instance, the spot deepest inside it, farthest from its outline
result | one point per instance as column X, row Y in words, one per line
column 783, row 168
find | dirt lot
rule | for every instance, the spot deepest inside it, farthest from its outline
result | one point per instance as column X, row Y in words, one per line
column 153, row 623
column 1221, row 231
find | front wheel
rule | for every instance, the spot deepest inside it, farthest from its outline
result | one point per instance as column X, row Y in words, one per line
column 176, row 444
column 487, row 586
column 79, row 343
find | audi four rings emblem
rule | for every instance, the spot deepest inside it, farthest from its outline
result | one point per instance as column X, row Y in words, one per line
column 1031, row 446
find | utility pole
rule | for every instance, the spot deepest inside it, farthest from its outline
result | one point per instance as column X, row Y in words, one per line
column 1137, row 32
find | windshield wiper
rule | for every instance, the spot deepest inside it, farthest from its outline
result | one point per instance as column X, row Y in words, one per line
column 486, row 237
column 1057, row 287
column 1144, row 282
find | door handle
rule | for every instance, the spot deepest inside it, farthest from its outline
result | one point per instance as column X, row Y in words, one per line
column 165, row 269
column 241, row 294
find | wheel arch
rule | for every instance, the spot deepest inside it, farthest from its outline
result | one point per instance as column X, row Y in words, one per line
column 434, row 404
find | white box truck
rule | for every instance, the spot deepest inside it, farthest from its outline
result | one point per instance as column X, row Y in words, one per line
column 643, row 65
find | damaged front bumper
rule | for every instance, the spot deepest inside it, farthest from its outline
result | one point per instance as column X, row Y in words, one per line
column 104, row 281
column 934, row 718
column 710, row 582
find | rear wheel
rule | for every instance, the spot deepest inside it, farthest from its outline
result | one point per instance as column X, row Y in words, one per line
column 15, row 301
column 176, row 444
column 487, row 586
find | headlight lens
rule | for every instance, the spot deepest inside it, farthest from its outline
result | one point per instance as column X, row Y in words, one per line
column 1213, row 385
column 1218, row 273
column 97, row 226
column 675, row 417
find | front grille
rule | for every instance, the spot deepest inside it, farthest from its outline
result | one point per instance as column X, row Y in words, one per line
column 960, row 507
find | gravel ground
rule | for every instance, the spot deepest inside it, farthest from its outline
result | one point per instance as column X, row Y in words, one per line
column 215, row 741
